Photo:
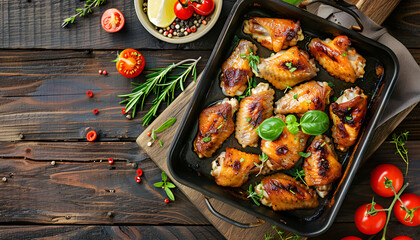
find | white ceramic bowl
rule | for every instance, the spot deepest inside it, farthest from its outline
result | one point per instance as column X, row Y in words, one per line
column 201, row 31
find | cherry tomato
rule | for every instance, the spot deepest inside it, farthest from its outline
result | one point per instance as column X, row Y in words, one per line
column 377, row 179
column 204, row 8
column 166, row 200
column 183, row 12
column 351, row 238
column 111, row 160
column 112, row 20
column 368, row 224
column 130, row 63
column 411, row 201
column 402, row 238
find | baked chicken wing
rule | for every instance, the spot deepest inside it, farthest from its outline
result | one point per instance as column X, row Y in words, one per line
column 321, row 167
column 283, row 152
column 232, row 168
column 253, row 110
column 338, row 58
column 282, row 192
column 348, row 114
column 215, row 125
column 236, row 70
column 274, row 33
column 305, row 97
column 287, row 68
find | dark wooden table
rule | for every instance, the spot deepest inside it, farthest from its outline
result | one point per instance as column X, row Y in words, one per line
column 45, row 72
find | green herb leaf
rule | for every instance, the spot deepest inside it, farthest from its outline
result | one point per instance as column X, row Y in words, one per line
column 287, row 88
column 349, row 118
column 158, row 184
column 207, row 139
column 314, row 122
column 254, row 196
column 323, row 144
column 293, row 128
column 288, row 64
column 271, row 128
column 263, row 157
column 330, row 84
column 295, row 96
column 164, row 177
column 399, row 140
column 166, row 125
column 344, row 54
column 170, row 185
column 169, row 193
column 308, row 101
column 292, row 69
column 290, row 190
column 160, row 143
column 290, row 119
column 251, row 84
column 248, row 119
column 153, row 135
column 87, row 8
column 305, row 155
column 221, row 125
column 242, row 159
column 243, row 56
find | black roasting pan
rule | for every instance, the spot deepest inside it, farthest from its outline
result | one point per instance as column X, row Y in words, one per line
column 188, row 169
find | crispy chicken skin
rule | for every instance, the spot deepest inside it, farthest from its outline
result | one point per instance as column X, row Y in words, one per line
column 236, row 70
column 283, row 152
column 321, row 167
column 282, row 192
column 338, row 58
column 305, row 97
column 215, row 125
column 274, row 33
column 232, row 168
column 253, row 110
column 287, row 68
column 348, row 114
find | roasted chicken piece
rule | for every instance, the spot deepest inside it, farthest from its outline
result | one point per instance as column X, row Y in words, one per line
column 274, row 33
column 348, row 114
column 232, row 168
column 236, row 70
column 321, row 167
column 253, row 110
column 215, row 125
column 283, row 152
column 305, row 97
column 287, row 68
column 338, row 58
column 282, row 192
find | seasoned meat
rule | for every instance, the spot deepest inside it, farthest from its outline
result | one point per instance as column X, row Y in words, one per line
column 321, row 167
column 253, row 110
column 236, row 70
column 305, row 97
column 215, row 125
column 348, row 114
column 282, row 192
column 287, row 68
column 232, row 168
column 274, row 33
column 338, row 58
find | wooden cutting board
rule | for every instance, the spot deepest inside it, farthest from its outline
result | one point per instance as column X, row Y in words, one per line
column 177, row 109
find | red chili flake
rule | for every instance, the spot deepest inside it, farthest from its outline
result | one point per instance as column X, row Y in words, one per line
column 139, row 172
column 89, row 93
column 138, row 179
column 100, row 71
column 193, row 28
column 91, row 136
column 95, row 111
column 188, row 30
column 174, row 23
column 123, row 111
column 166, row 200
column 104, row 72
column 171, row 30
column 149, row 134
column 204, row 22
column 111, row 160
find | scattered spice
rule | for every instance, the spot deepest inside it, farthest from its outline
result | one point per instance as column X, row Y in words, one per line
column 100, row 71
column 128, row 116
column 91, row 136
column 4, row 179
column 104, row 72
column 52, row 163
column 89, row 93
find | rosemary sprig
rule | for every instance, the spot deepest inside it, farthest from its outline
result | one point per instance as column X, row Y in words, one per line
column 252, row 59
column 252, row 83
column 281, row 235
column 87, row 9
column 166, row 185
column 254, row 195
column 399, row 141
column 263, row 157
column 161, row 84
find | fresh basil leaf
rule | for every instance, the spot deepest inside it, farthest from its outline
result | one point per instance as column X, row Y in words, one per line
column 169, row 193
column 158, row 184
column 291, row 119
column 271, row 129
column 207, row 139
column 166, row 125
column 314, row 122
column 170, row 185
column 295, row 96
column 164, row 176
column 293, row 128
column 305, row 155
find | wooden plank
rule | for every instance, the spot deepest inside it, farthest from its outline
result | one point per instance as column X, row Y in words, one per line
column 370, row 8
column 109, row 232
column 85, row 192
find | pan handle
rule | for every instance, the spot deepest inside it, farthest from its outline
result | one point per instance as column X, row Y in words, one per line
column 229, row 220
column 340, row 4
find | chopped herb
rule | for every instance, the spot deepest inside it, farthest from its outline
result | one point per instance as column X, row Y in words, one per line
column 289, row 64
column 254, row 196
column 263, row 157
column 334, row 99
column 295, row 96
column 344, row 54
column 305, row 155
column 348, row 109
column 399, row 141
column 252, row 59
column 297, row 172
column 293, row 75
column 242, row 159
column 349, row 118
column 301, row 140
column 153, row 136
column 290, row 190
column 242, row 55
column 248, row 119
column 323, row 144
column 207, row 139
column 221, row 125
column 282, row 235
column 160, row 143
column 308, row 101
column 235, row 41
column 287, row 88
column 251, row 84
column 292, row 69
column 330, row 84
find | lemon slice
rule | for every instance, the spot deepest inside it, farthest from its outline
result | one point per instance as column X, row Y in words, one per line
column 161, row 12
